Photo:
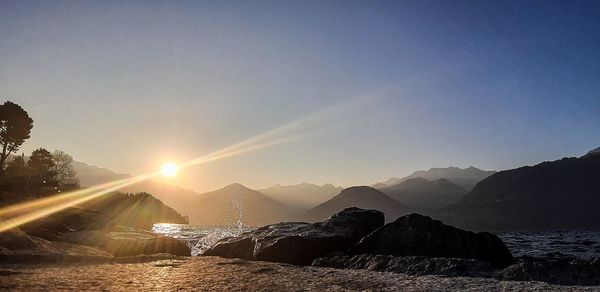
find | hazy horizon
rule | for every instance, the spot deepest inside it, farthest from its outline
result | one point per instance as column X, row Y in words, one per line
column 381, row 89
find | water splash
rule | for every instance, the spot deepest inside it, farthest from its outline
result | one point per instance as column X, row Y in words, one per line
column 201, row 238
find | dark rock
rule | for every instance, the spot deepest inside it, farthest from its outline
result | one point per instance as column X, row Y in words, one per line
column 412, row 265
column 301, row 243
column 129, row 243
column 556, row 271
column 417, row 235
column 50, row 251
column 15, row 239
column 163, row 244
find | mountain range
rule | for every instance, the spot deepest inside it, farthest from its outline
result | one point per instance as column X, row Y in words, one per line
column 225, row 206
column 561, row 194
column 362, row 197
column 302, row 196
column 423, row 194
column 304, row 201
column 466, row 178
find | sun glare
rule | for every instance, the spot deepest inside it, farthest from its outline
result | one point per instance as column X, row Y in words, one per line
column 169, row 169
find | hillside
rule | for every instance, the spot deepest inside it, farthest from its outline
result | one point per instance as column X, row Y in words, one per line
column 302, row 196
column 361, row 197
column 173, row 196
column 562, row 194
column 90, row 175
column 421, row 193
column 593, row 152
column 466, row 178
column 139, row 210
column 224, row 207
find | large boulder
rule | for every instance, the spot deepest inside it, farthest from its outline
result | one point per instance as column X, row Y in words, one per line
column 164, row 244
column 18, row 247
column 301, row 243
column 15, row 239
column 121, row 244
column 418, row 235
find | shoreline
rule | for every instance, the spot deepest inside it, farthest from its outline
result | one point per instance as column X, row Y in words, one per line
column 216, row 273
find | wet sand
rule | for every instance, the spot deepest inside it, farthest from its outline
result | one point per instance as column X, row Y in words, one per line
column 219, row 274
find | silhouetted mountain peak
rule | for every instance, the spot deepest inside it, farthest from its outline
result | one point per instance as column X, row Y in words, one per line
column 236, row 186
column 361, row 191
column 302, row 196
column 359, row 196
column 593, row 152
column 560, row 194
column 466, row 178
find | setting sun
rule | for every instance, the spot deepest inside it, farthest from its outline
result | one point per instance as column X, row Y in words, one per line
column 169, row 169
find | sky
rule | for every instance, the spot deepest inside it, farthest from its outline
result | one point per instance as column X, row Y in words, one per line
column 379, row 88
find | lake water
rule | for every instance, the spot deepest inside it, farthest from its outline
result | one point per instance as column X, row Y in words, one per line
column 578, row 244
column 560, row 244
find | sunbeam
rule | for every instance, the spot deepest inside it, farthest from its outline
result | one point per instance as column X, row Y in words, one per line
column 17, row 215
column 75, row 199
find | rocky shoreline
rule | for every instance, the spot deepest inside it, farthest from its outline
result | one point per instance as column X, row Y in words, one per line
column 352, row 250
column 413, row 244
column 221, row 274
column 553, row 271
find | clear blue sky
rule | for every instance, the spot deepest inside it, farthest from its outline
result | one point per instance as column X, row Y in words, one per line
column 129, row 84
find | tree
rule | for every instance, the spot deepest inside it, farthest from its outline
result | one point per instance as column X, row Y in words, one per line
column 41, row 164
column 16, row 167
column 63, row 171
column 15, row 127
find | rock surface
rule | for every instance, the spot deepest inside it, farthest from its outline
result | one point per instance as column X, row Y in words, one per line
column 412, row 265
column 163, row 244
column 301, row 243
column 15, row 239
column 557, row 271
column 132, row 243
column 219, row 274
column 554, row 271
column 44, row 251
column 418, row 235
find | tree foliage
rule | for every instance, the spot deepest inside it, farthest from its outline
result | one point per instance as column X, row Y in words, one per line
column 15, row 128
column 63, row 171
column 41, row 163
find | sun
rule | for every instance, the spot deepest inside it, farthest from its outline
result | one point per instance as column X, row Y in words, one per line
column 169, row 169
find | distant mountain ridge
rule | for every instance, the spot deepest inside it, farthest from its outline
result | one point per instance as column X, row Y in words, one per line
column 561, row 194
column 466, row 178
column 593, row 152
column 301, row 196
column 225, row 206
column 362, row 197
column 423, row 194
column 90, row 175
column 174, row 196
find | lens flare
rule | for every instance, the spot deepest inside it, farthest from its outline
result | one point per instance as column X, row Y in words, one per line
column 19, row 214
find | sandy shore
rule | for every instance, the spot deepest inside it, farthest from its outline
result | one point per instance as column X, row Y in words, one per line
column 219, row 274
